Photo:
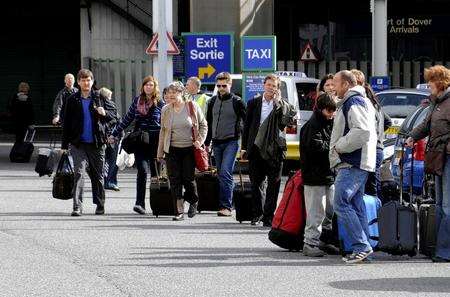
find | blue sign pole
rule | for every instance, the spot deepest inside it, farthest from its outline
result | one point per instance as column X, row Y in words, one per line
column 258, row 53
column 207, row 54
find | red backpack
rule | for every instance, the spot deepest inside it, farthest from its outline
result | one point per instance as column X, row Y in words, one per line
column 288, row 224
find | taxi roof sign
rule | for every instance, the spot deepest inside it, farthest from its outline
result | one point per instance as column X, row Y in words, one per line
column 423, row 87
column 291, row 73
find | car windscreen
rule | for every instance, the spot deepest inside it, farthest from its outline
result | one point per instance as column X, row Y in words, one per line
column 400, row 105
column 306, row 95
column 421, row 117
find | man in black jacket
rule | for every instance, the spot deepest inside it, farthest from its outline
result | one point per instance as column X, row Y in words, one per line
column 318, row 179
column 264, row 144
column 61, row 98
column 84, row 128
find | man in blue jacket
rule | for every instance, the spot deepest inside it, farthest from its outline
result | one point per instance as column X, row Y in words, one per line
column 353, row 154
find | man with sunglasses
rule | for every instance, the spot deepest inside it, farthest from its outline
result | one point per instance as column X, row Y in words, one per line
column 225, row 115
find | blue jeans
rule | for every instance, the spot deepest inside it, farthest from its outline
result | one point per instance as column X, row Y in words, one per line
column 442, row 184
column 111, row 168
column 349, row 206
column 225, row 156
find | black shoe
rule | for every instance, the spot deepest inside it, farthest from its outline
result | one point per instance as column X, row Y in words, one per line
column 113, row 187
column 267, row 224
column 139, row 209
column 100, row 210
column 255, row 220
column 437, row 259
column 179, row 217
column 76, row 213
column 329, row 248
column 192, row 210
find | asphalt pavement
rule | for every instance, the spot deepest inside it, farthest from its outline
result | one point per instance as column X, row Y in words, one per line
column 45, row 252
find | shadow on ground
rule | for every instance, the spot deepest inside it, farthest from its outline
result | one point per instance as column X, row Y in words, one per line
column 413, row 285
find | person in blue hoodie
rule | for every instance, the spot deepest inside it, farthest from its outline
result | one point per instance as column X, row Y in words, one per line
column 353, row 147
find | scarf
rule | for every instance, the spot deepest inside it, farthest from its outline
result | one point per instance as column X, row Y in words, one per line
column 143, row 107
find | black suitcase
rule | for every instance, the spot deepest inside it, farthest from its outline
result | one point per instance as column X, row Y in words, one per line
column 21, row 151
column 427, row 229
column 242, row 198
column 46, row 159
column 208, row 190
column 397, row 224
column 161, row 201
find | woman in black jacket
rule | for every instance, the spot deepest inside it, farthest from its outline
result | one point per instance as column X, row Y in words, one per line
column 317, row 176
column 21, row 108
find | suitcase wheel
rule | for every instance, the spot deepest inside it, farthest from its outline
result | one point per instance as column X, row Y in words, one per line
column 240, row 222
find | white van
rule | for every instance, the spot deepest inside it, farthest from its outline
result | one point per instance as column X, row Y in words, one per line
column 300, row 91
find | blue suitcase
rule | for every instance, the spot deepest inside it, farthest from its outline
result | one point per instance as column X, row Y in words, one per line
column 372, row 204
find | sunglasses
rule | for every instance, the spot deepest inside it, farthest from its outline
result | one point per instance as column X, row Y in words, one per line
column 221, row 86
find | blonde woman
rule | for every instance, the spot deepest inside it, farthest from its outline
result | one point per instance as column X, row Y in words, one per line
column 145, row 111
column 21, row 108
column 176, row 145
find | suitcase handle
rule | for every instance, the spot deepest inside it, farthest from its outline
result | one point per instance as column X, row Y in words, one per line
column 32, row 135
column 402, row 154
column 240, row 173
column 411, row 178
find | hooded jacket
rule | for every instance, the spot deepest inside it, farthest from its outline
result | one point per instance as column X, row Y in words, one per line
column 354, row 137
column 314, row 149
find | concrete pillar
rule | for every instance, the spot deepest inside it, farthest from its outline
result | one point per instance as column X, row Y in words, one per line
column 162, row 22
column 379, row 37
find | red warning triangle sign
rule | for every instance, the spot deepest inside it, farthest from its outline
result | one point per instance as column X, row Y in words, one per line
column 172, row 48
column 308, row 54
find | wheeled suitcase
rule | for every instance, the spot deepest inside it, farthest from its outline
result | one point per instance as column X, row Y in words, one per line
column 208, row 190
column 288, row 224
column 21, row 151
column 46, row 159
column 242, row 198
column 372, row 205
column 161, row 201
column 397, row 223
column 427, row 229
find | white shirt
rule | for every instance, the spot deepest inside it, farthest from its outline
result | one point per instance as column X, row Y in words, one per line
column 266, row 109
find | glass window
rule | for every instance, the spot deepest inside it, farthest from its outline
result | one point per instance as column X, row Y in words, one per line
column 306, row 95
column 421, row 117
column 400, row 105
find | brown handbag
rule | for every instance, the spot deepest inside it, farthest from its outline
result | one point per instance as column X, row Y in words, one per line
column 200, row 154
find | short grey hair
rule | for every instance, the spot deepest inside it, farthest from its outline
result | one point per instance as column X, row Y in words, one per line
column 348, row 76
column 105, row 92
column 196, row 81
column 176, row 86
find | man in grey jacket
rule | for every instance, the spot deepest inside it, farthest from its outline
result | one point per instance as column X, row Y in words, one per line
column 353, row 155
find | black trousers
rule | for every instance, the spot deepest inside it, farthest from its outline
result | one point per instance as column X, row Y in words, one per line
column 181, row 170
column 87, row 155
column 259, row 170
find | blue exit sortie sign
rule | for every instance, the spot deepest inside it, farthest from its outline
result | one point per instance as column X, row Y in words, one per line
column 207, row 54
